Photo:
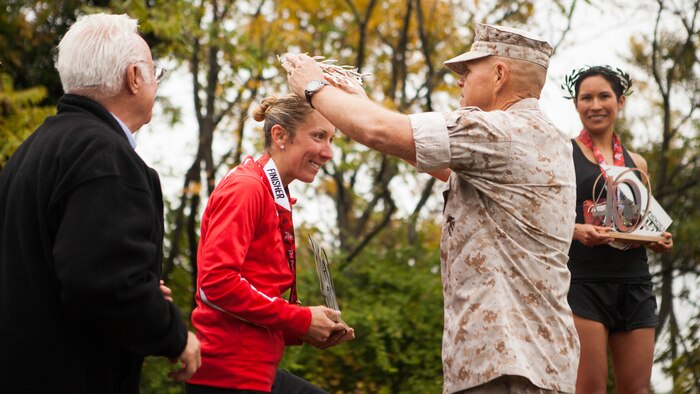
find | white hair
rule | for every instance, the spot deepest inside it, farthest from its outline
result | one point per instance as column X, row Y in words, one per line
column 95, row 52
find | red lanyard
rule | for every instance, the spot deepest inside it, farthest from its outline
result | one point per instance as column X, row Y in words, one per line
column 283, row 203
column 618, row 158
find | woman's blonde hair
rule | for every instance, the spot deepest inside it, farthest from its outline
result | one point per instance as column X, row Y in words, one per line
column 287, row 111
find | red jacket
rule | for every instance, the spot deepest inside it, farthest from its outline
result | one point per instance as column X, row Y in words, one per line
column 241, row 319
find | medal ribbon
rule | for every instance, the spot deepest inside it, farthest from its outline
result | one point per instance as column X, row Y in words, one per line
column 283, row 203
column 618, row 158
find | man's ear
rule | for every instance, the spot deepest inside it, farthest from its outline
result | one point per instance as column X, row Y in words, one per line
column 133, row 79
column 501, row 75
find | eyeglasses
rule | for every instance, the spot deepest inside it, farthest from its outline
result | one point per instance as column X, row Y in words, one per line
column 158, row 72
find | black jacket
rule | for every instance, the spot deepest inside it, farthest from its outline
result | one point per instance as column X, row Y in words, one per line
column 81, row 229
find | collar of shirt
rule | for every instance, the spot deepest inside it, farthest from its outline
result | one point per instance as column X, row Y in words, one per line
column 129, row 134
column 526, row 103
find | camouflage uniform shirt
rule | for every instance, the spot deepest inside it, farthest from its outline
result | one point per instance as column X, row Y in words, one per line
column 508, row 222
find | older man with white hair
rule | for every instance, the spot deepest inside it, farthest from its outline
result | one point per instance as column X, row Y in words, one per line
column 509, row 209
column 81, row 230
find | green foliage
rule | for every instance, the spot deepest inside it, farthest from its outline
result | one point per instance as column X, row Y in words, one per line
column 686, row 367
column 154, row 375
column 393, row 300
column 20, row 115
column 29, row 33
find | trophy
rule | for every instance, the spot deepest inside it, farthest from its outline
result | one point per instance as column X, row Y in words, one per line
column 629, row 208
column 324, row 274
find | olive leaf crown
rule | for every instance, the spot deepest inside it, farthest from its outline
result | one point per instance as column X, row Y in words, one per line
column 340, row 74
column 573, row 80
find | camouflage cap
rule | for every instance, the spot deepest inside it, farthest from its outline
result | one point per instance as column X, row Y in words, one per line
column 503, row 41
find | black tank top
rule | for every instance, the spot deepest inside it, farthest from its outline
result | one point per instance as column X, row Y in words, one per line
column 601, row 263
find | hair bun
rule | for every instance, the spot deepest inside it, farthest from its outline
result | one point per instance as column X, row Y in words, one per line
column 260, row 111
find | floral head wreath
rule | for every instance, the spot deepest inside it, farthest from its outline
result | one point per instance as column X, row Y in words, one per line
column 572, row 80
column 344, row 75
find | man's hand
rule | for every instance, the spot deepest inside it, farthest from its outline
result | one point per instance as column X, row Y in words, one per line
column 165, row 290
column 351, row 87
column 301, row 69
column 663, row 246
column 190, row 358
column 591, row 235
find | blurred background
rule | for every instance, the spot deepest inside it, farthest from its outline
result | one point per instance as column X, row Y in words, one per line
column 378, row 219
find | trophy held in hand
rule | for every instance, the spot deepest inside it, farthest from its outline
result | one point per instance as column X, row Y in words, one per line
column 628, row 208
column 324, row 274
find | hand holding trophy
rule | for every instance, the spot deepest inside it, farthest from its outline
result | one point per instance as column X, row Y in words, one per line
column 328, row 292
column 629, row 208
column 324, row 274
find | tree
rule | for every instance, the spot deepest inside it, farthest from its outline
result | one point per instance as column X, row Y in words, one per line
column 20, row 115
column 29, row 34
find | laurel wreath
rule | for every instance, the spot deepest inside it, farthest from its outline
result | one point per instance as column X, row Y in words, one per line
column 340, row 74
column 574, row 78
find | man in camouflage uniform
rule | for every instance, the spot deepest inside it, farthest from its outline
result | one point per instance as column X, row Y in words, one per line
column 509, row 210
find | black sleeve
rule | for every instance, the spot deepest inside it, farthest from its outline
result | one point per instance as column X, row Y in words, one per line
column 106, row 259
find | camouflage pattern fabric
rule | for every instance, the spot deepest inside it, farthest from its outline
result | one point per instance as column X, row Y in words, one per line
column 508, row 223
column 504, row 41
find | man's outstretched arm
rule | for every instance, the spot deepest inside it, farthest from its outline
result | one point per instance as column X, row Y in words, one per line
column 362, row 120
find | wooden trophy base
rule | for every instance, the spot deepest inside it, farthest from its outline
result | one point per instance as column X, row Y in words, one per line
column 637, row 236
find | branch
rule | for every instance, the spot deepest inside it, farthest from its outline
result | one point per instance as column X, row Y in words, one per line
column 399, row 65
column 655, row 52
column 216, row 118
column 413, row 219
column 381, row 183
column 191, row 178
column 353, row 9
column 686, row 118
column 569, row 19
column 666, row 306
column 372, row 234
column 258, row 11
column 680, row 191
column 343, row 204
column 425, row 46
column 514, row 7
column 363, row 35
column 193, row 239
column 196, row 86
column 169, row 263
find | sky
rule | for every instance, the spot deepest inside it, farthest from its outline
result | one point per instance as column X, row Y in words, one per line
column 598, row 37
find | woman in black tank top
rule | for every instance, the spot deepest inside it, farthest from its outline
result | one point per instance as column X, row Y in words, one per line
column 611, row 292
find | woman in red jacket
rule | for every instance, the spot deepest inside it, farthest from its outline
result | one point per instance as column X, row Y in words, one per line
column 246, row 261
